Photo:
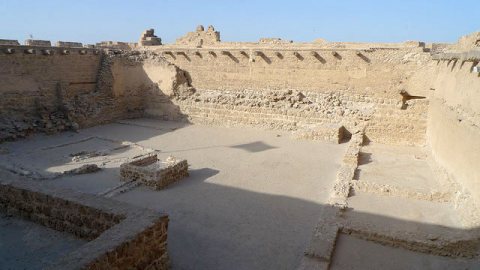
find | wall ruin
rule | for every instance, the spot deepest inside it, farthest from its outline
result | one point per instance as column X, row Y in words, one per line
column 399, row 92
column 53, row 89
column 454, row 121
column 290, row 87
column 119, row 235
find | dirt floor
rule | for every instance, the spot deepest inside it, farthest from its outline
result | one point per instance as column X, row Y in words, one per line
column 27, row 245
column 251, row 201
column 253, row 197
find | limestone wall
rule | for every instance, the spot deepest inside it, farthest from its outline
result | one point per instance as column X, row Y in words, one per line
column 120, row 236
column 82, row 221
column 53, row 89
column 35, row 85
column 236, row 84
column 454, row 122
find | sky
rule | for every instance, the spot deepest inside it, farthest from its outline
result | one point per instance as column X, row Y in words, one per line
column 92, row 21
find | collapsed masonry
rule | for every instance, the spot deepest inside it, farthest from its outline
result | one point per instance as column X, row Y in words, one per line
column 408, row 93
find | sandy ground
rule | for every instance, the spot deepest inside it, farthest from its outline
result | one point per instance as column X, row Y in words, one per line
column 27, row 245
column 399, row 166
column 355, row 254
column 252, row 198
column 251, row 202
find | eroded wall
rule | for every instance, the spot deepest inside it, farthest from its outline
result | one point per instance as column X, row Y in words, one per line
column 34, row 87
column 51, row 89
column 454, row 123
column 294, row 86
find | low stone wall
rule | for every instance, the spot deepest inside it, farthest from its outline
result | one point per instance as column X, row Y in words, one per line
column 333, row 133
column 56, row 213
column 120, row 236
column 154, row 173
column 319, row 251
column 387, row 119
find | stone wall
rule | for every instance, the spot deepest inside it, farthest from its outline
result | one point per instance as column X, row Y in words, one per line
column 120, row 236
column 454, row 122
column 154, row 173
column 148, row 250
column 36, row 88
column 61, row 215
column 200, row 37
column 243, row 85
column 11, row 42
column 49, row 89
column 36, row 42
column 69, row 44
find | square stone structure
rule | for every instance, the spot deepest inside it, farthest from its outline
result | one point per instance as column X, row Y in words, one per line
column 153, row 172
column 119, row 235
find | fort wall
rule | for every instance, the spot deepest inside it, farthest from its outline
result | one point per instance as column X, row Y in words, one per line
column 400, row 93
column 348, row 85
column 50, row 89
column 37, row 81
column 454, row 122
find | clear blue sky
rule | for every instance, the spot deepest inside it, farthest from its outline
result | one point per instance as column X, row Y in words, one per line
column 301, row 20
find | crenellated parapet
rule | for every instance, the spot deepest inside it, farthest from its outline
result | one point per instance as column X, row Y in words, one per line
column 69, row 44
column 46, row 50
column 10, row 42
column 37, row 42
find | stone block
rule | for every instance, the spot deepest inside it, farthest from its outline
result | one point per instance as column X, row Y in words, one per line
column 153, row 172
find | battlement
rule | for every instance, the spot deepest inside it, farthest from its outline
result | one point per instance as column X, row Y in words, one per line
column 35, row 42
column 46, row 50
column 9, row 42
column 69, row 44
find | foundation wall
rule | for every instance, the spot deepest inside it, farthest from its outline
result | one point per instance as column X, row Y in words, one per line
column 454, row 123
column 120, row 236
column 61, row 215
column 230, row 80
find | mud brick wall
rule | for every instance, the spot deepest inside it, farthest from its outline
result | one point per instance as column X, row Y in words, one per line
column 61, row 215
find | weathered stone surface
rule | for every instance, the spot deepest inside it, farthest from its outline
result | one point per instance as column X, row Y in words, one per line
column 9, row 42
column 120, row 235
column 154, row 173
column 35, row 42
column 148, row 38
column 200, row 37
column 87, row 168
